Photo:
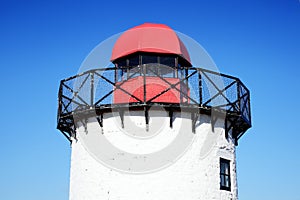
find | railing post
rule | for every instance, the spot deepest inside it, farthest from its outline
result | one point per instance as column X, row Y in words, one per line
column 239, row 95
column 92, row 89
column 249, row 108
column 186, row 75
column 115, row 75
column 200, row 88
column 59, row 101
column 144, row 82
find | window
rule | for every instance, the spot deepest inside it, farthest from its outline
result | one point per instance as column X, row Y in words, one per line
column 146, row 59
column 134, row 60
column 122, row 63
column 166, row 71
column 134, row 72
column 167, row 60
column 225, row 174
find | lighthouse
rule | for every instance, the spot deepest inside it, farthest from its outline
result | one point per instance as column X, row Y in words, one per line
column 153, row 126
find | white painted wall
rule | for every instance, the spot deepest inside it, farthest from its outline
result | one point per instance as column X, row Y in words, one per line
column 194, row 176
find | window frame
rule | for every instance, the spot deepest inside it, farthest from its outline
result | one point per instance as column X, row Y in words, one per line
column 225, row 175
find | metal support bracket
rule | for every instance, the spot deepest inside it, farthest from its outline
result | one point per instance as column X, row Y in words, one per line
column 66, row 135
column 213, row 122
column 147, row 117
column 194, row 117
column 226, row 128
column 100, row 119
column 121, row 113
column 84, row 124
column 171, row 118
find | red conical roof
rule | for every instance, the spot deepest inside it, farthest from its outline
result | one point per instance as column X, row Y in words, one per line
column 148, row 37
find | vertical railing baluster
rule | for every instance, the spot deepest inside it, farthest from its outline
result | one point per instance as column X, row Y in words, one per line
column 144, row 82
column 92, row 89
column 249, row 108
column 115, row 75
column 186, row 74
column 200, row 88
column 59, row 101
column 238, row 96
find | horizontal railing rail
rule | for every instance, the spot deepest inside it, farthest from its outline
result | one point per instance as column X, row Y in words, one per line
column 197, row 88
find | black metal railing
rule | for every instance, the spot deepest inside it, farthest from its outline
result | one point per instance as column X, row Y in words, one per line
column 94, row 90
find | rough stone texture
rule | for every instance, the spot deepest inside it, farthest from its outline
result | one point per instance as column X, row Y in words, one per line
column 194, row 176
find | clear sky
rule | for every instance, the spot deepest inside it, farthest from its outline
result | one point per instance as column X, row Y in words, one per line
column 42, row 42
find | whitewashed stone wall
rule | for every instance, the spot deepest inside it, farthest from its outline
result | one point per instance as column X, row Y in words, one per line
column 194, row 176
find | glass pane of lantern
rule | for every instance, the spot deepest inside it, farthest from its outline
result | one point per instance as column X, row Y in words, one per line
column 168, row 61
column 134, row 61
column 181, row 73
column 149, row 59
column 122, row 63
column 152, row 69
column 167, row 72
column 124, row 74
column 134, row 72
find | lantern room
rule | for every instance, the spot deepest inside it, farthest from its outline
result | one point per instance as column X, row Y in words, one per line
column 150, row 57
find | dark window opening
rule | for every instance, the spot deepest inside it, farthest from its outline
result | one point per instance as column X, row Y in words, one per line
column 122, row 63
column 225, row 174
column 134, row 60
column 168, row 61
column 149, row 59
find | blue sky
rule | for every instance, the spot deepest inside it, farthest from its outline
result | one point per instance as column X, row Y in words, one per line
column 42, row 42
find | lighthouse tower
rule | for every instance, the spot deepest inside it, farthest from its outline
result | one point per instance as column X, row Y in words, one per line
column 153, row 126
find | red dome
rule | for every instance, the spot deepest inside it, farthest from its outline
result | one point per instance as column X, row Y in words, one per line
column 148, row 37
